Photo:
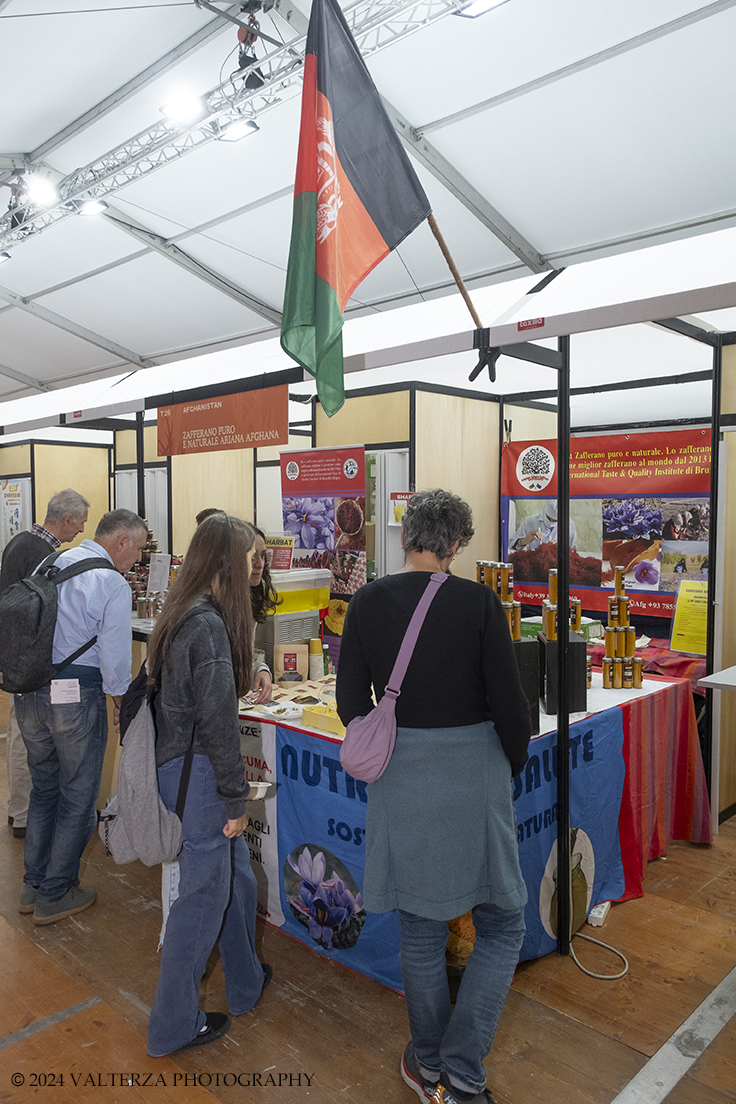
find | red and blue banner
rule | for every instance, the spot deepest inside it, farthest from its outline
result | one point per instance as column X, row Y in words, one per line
column 638, row 501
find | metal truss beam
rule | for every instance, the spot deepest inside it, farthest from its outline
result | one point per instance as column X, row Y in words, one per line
column 196, row 268
column 578, row 66
column 144, row 78
column 68, row 326
column 374, row 23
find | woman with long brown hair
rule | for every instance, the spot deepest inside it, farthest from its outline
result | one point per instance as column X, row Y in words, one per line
column 200, row 659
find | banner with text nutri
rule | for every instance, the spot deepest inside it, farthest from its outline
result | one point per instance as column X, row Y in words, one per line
column 250, row 419
column 639, row 501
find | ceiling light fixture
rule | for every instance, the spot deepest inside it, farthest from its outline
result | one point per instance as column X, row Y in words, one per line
column 41, row 191
column 184, row 108
column 479, row 7
column 238, row 129
column 4, row 257
column 92, row 206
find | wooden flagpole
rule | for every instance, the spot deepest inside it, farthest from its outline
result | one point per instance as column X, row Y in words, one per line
column 454, row 270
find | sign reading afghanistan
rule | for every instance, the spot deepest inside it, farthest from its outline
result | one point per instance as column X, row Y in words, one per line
column 250, row 419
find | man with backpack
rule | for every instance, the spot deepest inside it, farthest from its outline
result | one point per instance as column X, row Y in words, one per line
column 64, row 723
column 66, row 515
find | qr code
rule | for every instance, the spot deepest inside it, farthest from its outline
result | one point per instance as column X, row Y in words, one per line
column 536, row 461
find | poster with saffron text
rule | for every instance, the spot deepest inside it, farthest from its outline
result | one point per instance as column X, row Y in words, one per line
column 638, row 501
column 323, row 500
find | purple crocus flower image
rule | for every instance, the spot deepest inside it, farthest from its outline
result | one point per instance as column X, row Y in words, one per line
column 633, row 518
column 327, row 907
column 312, row 521
column 646, row 573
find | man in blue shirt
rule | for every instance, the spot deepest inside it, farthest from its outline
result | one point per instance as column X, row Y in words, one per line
column 65, row 519
column 64, row 724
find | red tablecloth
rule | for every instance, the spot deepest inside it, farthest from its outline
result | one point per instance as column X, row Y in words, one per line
column 665, row 793
column 659, row 660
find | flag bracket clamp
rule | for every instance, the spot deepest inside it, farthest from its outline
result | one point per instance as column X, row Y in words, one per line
column 488, row 354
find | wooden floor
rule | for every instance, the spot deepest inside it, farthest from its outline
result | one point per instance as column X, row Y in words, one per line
column 75, row 995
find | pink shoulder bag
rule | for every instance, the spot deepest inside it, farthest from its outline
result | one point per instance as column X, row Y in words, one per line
column 369, row 741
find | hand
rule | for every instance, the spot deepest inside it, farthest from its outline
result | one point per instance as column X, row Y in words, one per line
column 535, row 535
column 117, row 699
column 262, row 683
column 235, row 828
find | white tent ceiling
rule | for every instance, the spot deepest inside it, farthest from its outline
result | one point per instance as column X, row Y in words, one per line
column 545, row 135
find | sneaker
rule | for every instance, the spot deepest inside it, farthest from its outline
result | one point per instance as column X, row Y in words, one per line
column 413, row 1075
column 76, row 899
column 267, row 974
column 216, row 1025
column 442, row 1095
column 27, row 901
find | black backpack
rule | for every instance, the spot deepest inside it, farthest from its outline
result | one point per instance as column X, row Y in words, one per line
column 28, row 612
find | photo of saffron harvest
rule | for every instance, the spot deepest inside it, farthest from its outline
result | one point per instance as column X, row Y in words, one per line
column 533, row 562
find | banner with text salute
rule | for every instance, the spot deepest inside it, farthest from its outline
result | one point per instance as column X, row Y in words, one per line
column 356, row 198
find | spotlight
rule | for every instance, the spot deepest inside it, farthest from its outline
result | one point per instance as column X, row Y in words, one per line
column 4, row 257
column 92, row 206
column 479, row 7
column 240, row 128
column 184, row 108
column 41, row 191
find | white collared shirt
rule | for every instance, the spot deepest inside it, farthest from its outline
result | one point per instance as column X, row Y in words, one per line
column 95, row 603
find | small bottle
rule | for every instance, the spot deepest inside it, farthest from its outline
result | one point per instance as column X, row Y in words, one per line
column 326, row 661
column 316, row 659
column 619, row 583
column 637, row 667
column 628, row 675
column 552, row 578
column 618, row 673
column 589, row 672
column 607, row 666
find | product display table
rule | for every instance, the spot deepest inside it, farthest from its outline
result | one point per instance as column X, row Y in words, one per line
column 636, row 782
column 659, row 660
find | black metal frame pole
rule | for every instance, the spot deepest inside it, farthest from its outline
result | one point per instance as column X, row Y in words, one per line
column 563, row 648
column 707, row 744
column 140, row 469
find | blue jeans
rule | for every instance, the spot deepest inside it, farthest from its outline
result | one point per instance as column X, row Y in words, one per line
column 66, row 748
column 457, row 1040
column 216, row 904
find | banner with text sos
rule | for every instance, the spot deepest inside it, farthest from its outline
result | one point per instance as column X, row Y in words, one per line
column 637, row 501
column 323, row 499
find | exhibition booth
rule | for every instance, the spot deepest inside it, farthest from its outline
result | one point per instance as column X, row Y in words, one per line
column 638, row 774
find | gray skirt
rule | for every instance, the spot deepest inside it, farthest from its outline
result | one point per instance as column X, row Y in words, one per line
column 441, row 826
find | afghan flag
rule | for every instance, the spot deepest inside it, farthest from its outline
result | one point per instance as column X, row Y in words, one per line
column 356, row 198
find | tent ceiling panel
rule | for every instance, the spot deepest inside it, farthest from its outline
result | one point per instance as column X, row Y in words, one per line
column 198, row 73
column 183, row 312
column 652, row 404
column 45, row 352
column 222, row 176
column 65, row 252
column 625, row 176
column 524, row 40
column 106, row 48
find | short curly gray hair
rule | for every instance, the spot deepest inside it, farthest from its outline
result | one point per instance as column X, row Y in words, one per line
column 434, row 520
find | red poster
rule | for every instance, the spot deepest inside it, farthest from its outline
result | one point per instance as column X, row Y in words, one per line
column 323, row 499
column 638, row 501
column 250, row 419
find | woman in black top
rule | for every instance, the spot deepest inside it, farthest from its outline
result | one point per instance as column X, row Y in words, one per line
column 440, row 828
column 201, row 654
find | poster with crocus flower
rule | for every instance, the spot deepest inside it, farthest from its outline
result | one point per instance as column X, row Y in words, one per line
column 323, row 507
column 323, row 897
column 652, row 494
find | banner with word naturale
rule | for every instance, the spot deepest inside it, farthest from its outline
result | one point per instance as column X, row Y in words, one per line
column 250, row 419
column 638, row 501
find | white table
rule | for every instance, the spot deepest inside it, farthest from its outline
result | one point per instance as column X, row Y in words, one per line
column 720, row 680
